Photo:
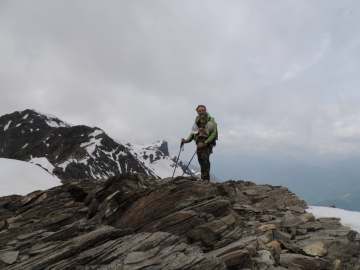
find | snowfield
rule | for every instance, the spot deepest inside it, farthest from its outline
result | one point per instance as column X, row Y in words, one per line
column 347, row 218
column 20, row 178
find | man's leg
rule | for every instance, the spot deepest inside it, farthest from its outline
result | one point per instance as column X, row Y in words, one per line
column 204, row 161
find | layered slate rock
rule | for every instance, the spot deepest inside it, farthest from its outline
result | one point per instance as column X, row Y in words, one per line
column 107, row 248
column 134, row 221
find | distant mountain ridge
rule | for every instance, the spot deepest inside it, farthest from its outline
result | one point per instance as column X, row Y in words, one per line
column 78, row 152
column 319, row 183
column 337, row 184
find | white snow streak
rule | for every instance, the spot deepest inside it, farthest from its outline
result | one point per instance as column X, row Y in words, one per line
column 67, row 162
column 84, row 160
column 91, row 145
column 43, row 162
column 7, row 126
column 45, row 142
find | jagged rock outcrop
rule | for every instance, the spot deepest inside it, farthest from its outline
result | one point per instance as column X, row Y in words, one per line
column 156, row 157
column 134, row 221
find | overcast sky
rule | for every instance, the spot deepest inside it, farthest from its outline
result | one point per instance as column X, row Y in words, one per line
column 280, row 77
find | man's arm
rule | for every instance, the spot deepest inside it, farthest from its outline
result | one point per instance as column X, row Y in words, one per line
column 190, row 138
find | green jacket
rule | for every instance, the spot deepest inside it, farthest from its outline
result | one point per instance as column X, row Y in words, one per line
column 211, row 132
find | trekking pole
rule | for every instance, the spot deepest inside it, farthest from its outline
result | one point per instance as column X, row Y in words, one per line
column 181, row 145
column 189, row 162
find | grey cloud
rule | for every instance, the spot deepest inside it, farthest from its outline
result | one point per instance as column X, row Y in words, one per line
column 137, row 69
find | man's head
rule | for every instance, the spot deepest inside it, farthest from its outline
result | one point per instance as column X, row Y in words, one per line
column 201, row 110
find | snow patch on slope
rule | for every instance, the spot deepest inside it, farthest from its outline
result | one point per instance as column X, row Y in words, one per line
column 21, row 178
column 347, row 218
column 43, row 162
column 93, row 143
column 66, row 162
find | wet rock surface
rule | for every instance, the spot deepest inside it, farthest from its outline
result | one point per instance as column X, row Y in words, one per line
column 134, row 221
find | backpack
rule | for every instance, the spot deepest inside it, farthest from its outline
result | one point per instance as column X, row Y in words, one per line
column 213, row 142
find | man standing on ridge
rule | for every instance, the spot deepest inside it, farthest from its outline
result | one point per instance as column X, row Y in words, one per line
column 204, row 133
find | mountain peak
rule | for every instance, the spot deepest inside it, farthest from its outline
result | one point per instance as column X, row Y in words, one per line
column 37, row 120
column 156, row 157
column 79, row 152
column 160, row 145
column 52, row 120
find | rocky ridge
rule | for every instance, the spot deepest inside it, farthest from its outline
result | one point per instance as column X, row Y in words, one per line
column 135, row 221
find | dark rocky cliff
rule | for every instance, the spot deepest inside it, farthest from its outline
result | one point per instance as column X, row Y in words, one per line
column 77, row 152
column 134, row 221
